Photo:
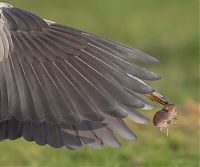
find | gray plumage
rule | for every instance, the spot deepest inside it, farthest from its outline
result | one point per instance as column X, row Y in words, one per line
column 62, row 86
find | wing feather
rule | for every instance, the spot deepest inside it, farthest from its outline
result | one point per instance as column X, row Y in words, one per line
column 123, row 50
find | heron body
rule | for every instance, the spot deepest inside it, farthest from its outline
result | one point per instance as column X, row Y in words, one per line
column 64, row 87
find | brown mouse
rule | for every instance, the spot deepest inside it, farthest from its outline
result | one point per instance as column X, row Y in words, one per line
column 163, row 118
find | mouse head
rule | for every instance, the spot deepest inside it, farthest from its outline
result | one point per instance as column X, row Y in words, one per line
column 168, row 108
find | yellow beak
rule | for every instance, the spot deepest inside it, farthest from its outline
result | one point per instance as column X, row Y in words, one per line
column 155, row 96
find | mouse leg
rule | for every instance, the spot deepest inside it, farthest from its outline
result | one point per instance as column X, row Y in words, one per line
column 167, row 131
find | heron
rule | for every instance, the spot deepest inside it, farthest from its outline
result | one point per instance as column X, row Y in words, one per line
column 65, row 87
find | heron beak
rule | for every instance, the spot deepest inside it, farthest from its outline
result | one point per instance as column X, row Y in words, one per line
column 155, row 96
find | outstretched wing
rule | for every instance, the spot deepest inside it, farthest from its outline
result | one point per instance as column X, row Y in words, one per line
column 61, row 86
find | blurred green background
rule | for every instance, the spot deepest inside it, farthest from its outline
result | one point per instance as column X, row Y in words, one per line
column 165, row 29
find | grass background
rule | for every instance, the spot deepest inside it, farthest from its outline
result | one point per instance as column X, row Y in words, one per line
column 167, row 30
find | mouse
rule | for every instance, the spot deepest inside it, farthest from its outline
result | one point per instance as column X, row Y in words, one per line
column 163, row 117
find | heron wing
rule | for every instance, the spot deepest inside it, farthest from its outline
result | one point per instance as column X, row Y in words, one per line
column 59, row 84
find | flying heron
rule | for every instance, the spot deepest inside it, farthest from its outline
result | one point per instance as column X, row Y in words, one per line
column 63, row 87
